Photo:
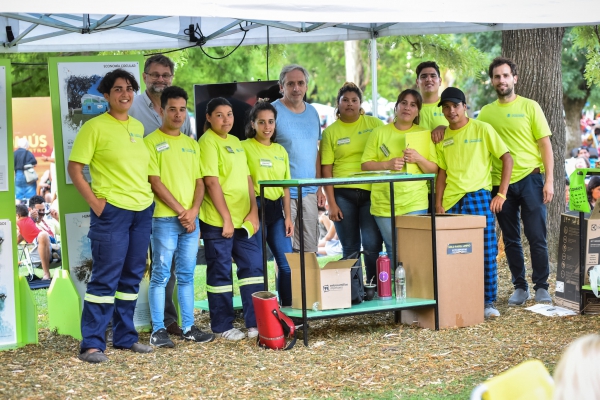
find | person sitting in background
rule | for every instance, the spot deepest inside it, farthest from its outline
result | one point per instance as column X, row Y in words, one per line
column 38, row 212
column 576, row 375
column 584, row 152
column 329, row 245
column 30, row 233
column 593, row 191
column 582, row 162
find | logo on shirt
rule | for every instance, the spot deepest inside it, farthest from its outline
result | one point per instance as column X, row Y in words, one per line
column 184, row 150
column 365, row 131
column 473, row 140
column 515, row 115
column 279, row 158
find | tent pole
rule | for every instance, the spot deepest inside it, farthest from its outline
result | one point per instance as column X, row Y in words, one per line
column 374, row 95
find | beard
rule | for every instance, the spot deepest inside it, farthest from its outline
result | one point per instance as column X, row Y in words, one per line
column 505, row 91
column 156, row 90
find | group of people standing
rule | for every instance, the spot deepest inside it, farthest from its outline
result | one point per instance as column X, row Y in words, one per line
column 162, row 183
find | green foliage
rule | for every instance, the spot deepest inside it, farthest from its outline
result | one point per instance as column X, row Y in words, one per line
column 573, row 67
column 588, row 38
column 30, row 74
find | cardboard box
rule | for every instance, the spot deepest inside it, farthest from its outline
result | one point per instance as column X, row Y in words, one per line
column 328, row 286
column 459, row 240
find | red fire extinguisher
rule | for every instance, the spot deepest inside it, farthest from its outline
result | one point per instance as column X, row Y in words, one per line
column 384, row 277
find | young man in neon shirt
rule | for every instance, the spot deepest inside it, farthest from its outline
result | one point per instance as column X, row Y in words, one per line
column 464, row 180
column 521, row 124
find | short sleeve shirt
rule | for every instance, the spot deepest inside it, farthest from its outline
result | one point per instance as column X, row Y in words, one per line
column 431, row 116
column 225, row 159
column 520, row 124
column 388, row 142
column 267, row 163
column 118, row 160
column 466, row 155
column 176, row 160
column 343, row 145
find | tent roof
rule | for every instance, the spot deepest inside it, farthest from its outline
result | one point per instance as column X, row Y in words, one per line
column 70, row 25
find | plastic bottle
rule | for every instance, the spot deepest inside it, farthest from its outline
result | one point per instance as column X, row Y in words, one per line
column 400, row 278
column 384, row 282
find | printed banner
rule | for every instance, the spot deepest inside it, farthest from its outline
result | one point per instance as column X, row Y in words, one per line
column 8, row 318
column 80, row 100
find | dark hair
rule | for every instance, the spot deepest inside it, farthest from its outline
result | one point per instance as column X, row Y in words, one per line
column 348, row 87
column 498, row 61
column 22, row 210
column 36, row 200
column 428, row 64
column 417, row 96
column 172, row 92
column 111, row 77
column 211, row 107
column 159, row 59
column 592, row 184
column 253, row 114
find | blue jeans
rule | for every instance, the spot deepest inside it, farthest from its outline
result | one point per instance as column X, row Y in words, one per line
column 358, row 226
column 525, row 201
column 385, row 227
column 23, row 190
column 279, row 245
column 170, row 238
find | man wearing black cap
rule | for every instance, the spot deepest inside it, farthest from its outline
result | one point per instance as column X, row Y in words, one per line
column 521, row 124
column 464, row 180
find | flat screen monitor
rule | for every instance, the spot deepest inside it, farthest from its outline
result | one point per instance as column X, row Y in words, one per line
column 241, row 95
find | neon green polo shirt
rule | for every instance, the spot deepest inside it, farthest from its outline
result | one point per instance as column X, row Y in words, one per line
column 226, row 160
column 408, row 196
column 267, row 163
column 431, row 116
column 466, row 155
column 343, row 144
column 118, row 160
column 176, row 160
column 520, row 124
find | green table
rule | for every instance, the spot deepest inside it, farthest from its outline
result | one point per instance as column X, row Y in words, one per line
column 368, row 306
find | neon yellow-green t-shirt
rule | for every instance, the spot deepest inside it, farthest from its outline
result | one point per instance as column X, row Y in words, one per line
column 520, row 124
column 408, row 196
column 343, row 144
column 466, row 155
column 267, row 163
column 176, row 160
column 226, row 160
column 431, row 116
column 118, row 160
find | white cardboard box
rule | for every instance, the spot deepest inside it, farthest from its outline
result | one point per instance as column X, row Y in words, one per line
column 328, row 286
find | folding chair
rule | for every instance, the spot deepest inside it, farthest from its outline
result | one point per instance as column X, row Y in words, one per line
column 529, row 380
column 29, row 257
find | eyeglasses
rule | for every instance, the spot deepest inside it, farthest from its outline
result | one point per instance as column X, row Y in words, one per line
column 156, row 75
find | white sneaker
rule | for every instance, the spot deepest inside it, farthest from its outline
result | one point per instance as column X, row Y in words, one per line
column 252, row 332
column 232, row 334
column 490, row 311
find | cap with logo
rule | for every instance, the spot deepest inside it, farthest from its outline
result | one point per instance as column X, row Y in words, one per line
column 452, row 94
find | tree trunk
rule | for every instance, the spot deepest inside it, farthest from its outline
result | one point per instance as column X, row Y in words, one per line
column 354, row 66
column 573, row 109
column 537, row 53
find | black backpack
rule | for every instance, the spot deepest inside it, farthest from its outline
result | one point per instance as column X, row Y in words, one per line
column 357, row 285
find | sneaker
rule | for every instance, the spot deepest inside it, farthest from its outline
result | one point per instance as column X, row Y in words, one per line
column 160, row 338
column 542, row 296
column 490, row 311
column 197, row 335
column 252, row 332
column 232, row 334
column 519, row 297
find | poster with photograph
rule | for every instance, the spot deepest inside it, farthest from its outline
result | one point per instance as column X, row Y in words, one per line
column 80, row 265
column 80, row 100
column 8, row 318
column 4, row 178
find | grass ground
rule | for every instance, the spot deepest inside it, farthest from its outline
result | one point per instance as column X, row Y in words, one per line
column 348, row 358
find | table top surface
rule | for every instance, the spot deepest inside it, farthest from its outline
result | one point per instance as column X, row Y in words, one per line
column 367, row 178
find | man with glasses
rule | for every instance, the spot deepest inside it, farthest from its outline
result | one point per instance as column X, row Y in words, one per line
column 158, row 75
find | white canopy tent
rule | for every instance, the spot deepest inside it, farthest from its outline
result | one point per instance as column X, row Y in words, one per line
column 77, row 26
